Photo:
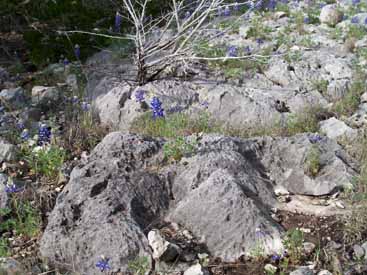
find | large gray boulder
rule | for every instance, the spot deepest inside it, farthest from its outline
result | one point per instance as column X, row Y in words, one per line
column 106, row 207
column 286, row 158
column 110, row 202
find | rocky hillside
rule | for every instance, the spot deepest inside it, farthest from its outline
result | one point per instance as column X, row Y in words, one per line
column 248, row 158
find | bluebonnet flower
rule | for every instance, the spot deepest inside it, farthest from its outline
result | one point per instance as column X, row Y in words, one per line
column 103, row 264
column 20, row 124
column 187, row 15
column 11, row 187
column 356, row 2
column 227, row 11
column 236, row 7
column 232, row 51
column 259, row 41
column 322, row 5
column 44, row 134
column 284, row 1
column 306, row 20
column 247, row 50
column 365, row 21
column 66, row 61
column 276, row 257
column 139, row 95
column 355, row 20
column 272, row 4
column 74, row 99
column 205, row 104
column 85, row 106
column 25, row 134
column 315, row 138
column 77, row 51
column 118, row 20
column 156, row 106
column 259, row 233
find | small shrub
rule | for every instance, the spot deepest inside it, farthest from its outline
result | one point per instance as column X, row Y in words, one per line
column 45, row 161
column 4, row 248
column 320, row 85
column 177, row 148
column 139, row 266
column 293, row 243
column 350, row 102
column 312, row 164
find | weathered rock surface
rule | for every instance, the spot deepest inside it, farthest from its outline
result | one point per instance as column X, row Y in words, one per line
column 330, row 15
column 106, row 207
column 13, row 98
column 162, row 249
column 45, row 95
column 7, row 151
column 3, row 194
column 9, row 266
column 334, row 128
column 285, row 158
column 197, row 270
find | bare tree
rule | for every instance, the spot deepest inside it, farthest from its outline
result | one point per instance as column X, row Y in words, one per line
column 169, row 38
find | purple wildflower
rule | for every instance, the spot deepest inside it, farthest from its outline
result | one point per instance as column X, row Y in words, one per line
column 232, row 51
column 74, row 99
column 356, row 2
column 315, row 138
column 12, row 188
column 175, row 109
column 44, row 134
column 247, row 50
column 365, row 21
column 272, row 4
column 156, row 106
column 66, row 61
column 77, row 51
column 20, row 124
column 103, row 264
column 85, row 106
column 236, row 7
column 25, row 134
column 306, row 20
column 227, row 11
column 355, row 20
column 139, row 95
column 187, row 15
column 118, row 20
column 322, row 5
column 205, row 104
column 276, row 257
column 259, row 41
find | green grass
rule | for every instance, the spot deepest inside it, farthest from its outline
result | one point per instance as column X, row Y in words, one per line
column 312, row 163
column 177, row 148
column 320, row 85
column 350, row 102
column 293, row 243
column 47, row 161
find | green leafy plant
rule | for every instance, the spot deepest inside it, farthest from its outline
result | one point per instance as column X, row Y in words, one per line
column 4, row 248
column 312, row 162
column 293, row 243
column 320, row 85
column 45, row 161
column 139, row 266
column 177, row 148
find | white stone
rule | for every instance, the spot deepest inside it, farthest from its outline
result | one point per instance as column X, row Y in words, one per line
column 196, row 270
column 330, row 15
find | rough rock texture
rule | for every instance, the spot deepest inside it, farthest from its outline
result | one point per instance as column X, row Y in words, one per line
column 197, row 270
column 7, row 151
column 334, row 128
column 303, row 270
column 224, row 184
column 106, row 207
column 14, row 98
column 222, row 194
column 45, row 95
column 330, row 15
column 3, row 194
column 162, row 250
column 9, row 266
column 285, row 161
